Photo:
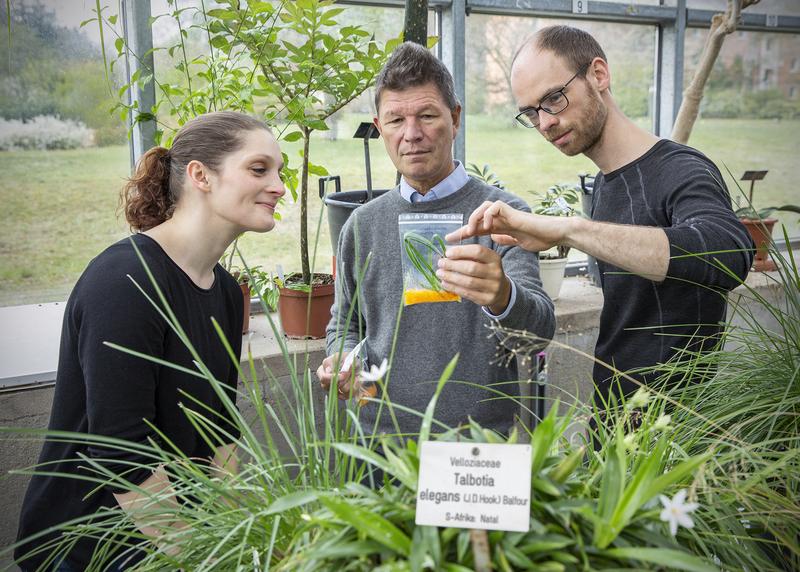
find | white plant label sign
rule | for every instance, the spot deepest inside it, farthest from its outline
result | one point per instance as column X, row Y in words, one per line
column 580, row 6
column 474, row 485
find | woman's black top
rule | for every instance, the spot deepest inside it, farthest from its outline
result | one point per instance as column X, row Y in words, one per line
column 104, row 391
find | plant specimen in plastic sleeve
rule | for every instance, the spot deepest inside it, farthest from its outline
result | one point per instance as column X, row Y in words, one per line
column 423, row 245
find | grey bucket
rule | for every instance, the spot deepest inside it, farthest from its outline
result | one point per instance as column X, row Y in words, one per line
column 341, row 204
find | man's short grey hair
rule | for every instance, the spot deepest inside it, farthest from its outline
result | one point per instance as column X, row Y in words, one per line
column 412, row 65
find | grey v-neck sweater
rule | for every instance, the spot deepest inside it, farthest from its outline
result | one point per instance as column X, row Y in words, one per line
column 429, row 335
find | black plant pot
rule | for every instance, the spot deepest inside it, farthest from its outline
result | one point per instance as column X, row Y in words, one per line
column 340, row 205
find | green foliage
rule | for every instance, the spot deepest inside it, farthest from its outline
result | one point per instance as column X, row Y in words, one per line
column 290, row 62
column 566, row 494
column 300, row 502
column 486, row 175
column 742, row 401
column 54, row 70
column 742, row 102
column 559, row 200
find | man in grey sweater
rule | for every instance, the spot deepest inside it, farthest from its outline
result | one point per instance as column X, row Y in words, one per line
column 418, row 117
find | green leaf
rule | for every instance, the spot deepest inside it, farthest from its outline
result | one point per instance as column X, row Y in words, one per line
column 567, row 466
column 293, row 136
column 427, row 419
column 545, row 486
column 292, row 500
column 672, row 559
column 364, row 454
column 545, row 543
column 317, row 124
column 220, row 42
column 223, row 14
column 369, row 523
column 317, row 170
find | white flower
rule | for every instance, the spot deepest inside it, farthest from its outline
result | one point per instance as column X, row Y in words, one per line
column 639, row 399
column 676, row 511
column 375, row 373
column 630, row 441
column 662, row 423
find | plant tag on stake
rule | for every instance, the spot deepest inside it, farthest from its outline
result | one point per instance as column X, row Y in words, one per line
column 474, row 485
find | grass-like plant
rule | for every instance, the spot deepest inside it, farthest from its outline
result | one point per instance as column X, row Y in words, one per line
column 301, row 500
column 421, row 253
column 743, row 403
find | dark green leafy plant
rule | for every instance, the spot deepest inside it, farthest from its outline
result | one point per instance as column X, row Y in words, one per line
column 486, row 175
column 421, row 253
column 750, row 212
column 559, row 200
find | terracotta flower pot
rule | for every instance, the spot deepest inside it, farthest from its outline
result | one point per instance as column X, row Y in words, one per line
column 761, row 232
column 297, row 320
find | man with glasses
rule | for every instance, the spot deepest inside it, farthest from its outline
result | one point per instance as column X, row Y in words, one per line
column 661, row 222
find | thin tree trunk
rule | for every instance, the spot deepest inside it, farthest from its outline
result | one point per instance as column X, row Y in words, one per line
column 415, row 28
column 304, row 209
column 721, row 26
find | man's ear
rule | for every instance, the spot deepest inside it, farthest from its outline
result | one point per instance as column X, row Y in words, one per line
column 456, row 116
column 197, row 174
column 599, row 74
column 376, row 122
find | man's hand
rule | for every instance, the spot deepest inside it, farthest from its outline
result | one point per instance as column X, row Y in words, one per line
column 643, row 250
column 509, row 226
column 346, row 379
column 476, row 273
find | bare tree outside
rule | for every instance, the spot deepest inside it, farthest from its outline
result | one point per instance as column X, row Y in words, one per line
column 722, row 25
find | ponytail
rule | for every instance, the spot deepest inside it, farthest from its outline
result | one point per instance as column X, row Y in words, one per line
column 146, row 197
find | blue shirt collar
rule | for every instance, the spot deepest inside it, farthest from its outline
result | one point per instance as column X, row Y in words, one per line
column 453, row 182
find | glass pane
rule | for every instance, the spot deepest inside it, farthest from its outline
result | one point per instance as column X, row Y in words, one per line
column 785, row 7
column 750, row 114
column 63, row 155
column 521, row 157
column 335, row 149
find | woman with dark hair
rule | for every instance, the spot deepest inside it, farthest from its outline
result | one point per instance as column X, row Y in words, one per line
column 186, row 205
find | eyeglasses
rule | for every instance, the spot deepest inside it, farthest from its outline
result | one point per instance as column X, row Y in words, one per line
column 553, row 103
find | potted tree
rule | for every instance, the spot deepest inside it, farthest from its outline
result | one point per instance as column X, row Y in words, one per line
column 309, row 68
column 558, row 200
column 290, row 62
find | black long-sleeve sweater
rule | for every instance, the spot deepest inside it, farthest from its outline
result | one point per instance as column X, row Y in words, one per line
column 103, row 391
column 644, row 323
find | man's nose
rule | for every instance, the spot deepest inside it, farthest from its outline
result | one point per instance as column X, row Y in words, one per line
column 413, row 130
column 546, row 121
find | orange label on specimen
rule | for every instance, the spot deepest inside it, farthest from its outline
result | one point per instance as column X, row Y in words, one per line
column 421, row 296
